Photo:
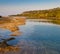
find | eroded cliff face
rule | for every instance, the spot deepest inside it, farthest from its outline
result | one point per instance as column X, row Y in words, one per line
column 12, row 24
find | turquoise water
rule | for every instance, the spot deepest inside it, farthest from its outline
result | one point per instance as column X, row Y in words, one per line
column 36, row 38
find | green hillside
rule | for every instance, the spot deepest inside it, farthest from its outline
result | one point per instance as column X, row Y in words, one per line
column 38, row 14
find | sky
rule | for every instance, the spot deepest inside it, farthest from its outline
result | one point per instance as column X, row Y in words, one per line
column 11, row 7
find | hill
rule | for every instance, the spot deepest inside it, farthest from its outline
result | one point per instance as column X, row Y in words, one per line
column 38, row 14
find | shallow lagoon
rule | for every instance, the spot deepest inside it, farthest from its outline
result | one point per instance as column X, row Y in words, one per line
column 36, row 38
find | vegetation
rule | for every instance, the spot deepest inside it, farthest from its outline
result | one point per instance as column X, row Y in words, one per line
column 38, row 14
column 50, row 14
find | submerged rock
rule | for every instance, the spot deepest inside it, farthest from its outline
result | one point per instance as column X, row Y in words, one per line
column 16, row 33
column 4, row 43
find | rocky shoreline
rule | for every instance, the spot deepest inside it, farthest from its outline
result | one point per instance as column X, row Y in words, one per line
column 13, row 24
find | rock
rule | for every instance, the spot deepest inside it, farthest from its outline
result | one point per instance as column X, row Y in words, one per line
column 16, row 33
column 13, row 24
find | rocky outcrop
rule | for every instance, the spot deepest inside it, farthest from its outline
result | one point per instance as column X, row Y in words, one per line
column 13, row 24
